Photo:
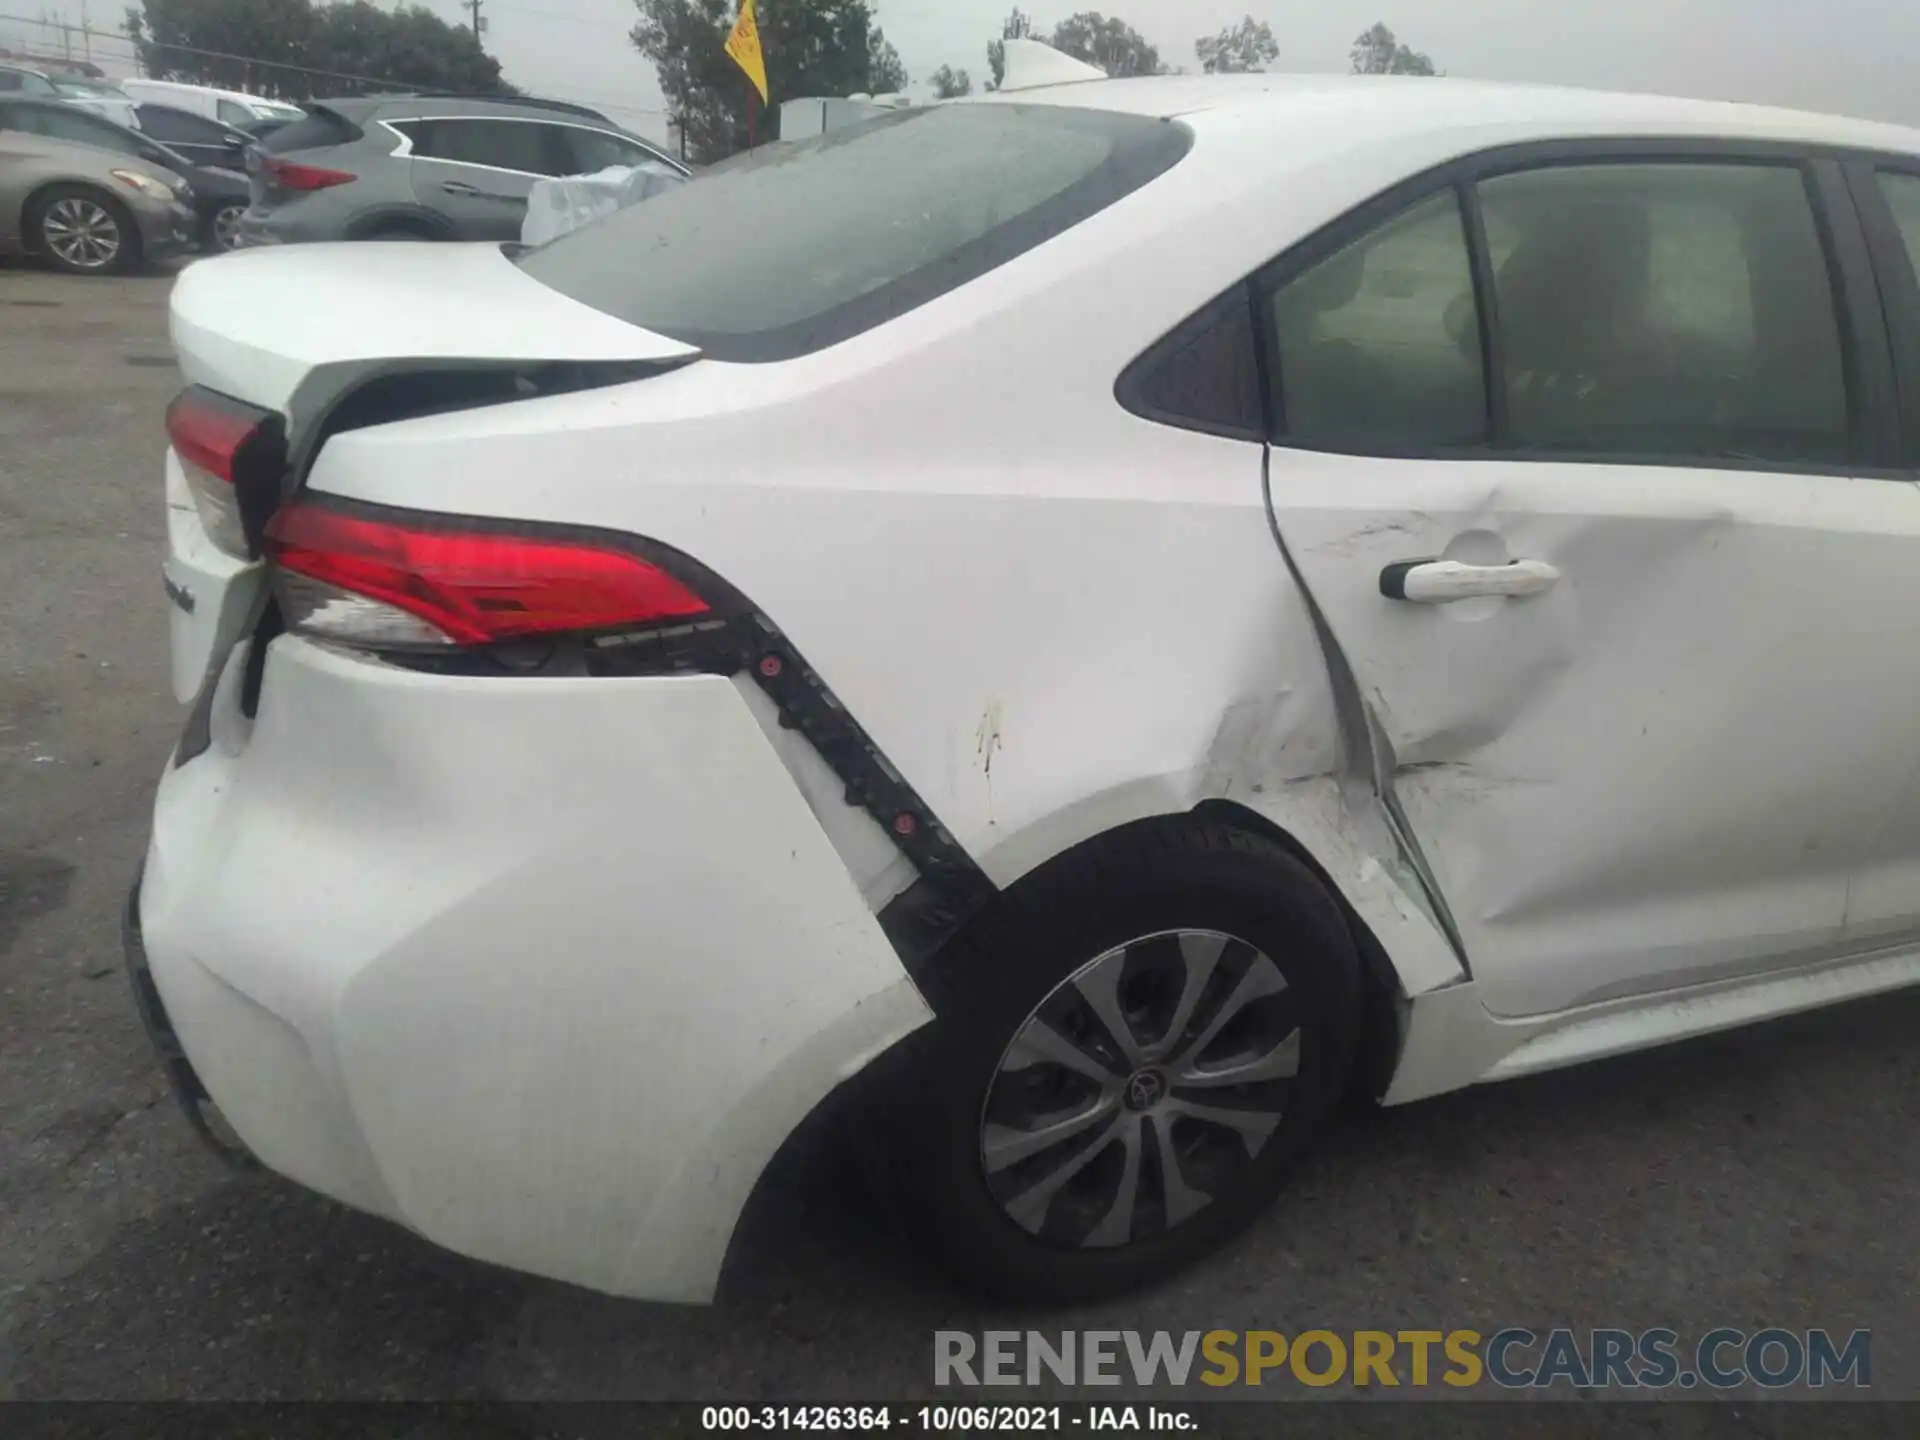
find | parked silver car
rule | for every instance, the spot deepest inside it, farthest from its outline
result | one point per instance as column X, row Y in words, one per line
column 422, row 167
column 84, row 206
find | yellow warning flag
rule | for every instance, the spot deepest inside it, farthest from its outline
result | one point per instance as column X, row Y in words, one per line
column 744, row 46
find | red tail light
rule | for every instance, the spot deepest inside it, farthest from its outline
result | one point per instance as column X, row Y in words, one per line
column 292, row 175
column 224, row 445
column 373, row 580
column 208, row 434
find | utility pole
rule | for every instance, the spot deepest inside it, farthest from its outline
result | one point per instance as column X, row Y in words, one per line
column 479, row 25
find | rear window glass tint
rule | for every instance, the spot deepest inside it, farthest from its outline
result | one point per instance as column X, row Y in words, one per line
column 800, row 246
column 317, row 129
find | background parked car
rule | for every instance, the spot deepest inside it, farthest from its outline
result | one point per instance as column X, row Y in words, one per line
column 216, row 198
column 205, row 142
column 260, row 129
column 229, row 107
column 99, row 95
column 87, row 208
column 423, row 167
column 23, row 80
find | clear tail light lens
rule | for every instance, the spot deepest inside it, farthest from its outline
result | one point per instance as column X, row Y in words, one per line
column 378, row 579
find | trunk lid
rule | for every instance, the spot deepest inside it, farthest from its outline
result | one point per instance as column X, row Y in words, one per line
column 291, row 329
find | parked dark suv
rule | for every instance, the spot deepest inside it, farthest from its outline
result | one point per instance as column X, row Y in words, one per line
column 422, row 167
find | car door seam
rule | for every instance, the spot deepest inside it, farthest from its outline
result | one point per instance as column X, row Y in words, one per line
column 1359, row 731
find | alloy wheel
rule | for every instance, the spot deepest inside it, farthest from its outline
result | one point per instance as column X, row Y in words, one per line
column 226, row 226
column 1140, row 1089
column 81, row 233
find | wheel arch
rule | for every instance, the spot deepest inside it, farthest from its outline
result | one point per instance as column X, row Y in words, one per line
column 1383, row 996
column 69, row 182
column 1403, row 952
column 398, row 217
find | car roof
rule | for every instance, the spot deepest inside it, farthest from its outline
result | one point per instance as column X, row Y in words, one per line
column 1377, row 102
column 357, row 107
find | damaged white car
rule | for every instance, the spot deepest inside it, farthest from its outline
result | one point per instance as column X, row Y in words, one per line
column 1133, row 608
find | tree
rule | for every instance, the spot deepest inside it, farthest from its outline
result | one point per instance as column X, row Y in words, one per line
column 886, row 75
column 1377, row 52
column 299, row 50
column 1108, row 42
column 1238, row 48
column 413, row 46
column 951, row 84
column 271, row 30
column 1015, row 27
column 812, row 47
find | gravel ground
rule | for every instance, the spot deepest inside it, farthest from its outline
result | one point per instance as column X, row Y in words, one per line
column 1762, row 1178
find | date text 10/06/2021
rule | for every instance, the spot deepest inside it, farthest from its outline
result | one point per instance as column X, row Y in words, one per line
column 938, row 1419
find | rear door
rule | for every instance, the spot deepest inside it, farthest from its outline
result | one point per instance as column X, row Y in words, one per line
column 1887, row 190
column 1586, row 456
column 477, row 172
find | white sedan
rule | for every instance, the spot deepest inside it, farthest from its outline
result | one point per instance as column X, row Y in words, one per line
column 1086, row 623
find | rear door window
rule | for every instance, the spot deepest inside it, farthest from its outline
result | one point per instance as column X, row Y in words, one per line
column 799, row 246
column 590, row 151
column 1668, row 309
column 1379, row 343
column 526, row 146
column 1902, row 193
column 177, row 127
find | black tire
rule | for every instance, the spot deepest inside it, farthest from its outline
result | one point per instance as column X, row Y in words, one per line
column 1135, row 885
column 401, row 232
column 51, row 206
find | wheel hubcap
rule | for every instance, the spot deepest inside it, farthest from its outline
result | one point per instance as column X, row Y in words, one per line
column 1140, row 1089
column 81, row 233
column 226, row 225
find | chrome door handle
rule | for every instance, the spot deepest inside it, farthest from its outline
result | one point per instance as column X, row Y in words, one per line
column 458, row 187
column 1435, row 582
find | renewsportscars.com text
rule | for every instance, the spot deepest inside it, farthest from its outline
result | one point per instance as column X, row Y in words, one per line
column 1514, row 1358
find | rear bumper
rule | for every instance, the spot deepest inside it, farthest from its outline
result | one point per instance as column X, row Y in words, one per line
column 545, row 970
column 187, row 1089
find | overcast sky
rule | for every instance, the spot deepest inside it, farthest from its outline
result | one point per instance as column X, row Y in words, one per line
column 1857, row 57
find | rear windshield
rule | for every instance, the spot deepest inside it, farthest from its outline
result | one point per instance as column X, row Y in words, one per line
column 799, row 246
column 316, row 128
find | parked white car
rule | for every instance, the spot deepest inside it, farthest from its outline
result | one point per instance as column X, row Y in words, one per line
column 229, row 107
column 1128, row 612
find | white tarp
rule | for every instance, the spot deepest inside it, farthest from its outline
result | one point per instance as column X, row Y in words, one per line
column 555, row 207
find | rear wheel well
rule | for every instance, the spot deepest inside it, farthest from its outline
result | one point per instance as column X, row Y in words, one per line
column 1382, row 1001
column 920, row 941
column 407, row 227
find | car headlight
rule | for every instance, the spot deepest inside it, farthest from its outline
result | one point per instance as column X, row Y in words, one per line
column 145, row 184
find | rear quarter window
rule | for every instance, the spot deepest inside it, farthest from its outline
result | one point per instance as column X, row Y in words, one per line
column 800, row 246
